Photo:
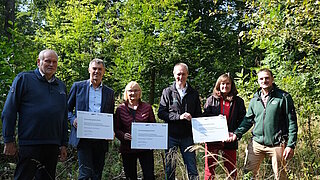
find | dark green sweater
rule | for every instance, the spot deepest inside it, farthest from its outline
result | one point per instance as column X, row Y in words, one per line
column 273, row 124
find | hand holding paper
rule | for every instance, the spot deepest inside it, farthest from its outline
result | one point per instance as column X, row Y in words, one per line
column 94, row 125
column 209, row 129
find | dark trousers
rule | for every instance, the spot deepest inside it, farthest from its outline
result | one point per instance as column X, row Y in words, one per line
column 146, row 160
column 37, row 162
column 91, row 156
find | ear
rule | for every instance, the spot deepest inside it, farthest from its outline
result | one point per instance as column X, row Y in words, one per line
column 38, row 62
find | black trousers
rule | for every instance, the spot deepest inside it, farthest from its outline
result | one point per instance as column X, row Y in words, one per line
column 146, row 160
column 37, row 162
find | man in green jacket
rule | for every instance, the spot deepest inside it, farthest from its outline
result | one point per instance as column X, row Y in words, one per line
column 272, row 112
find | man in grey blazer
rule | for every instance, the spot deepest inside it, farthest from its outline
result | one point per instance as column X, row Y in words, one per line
column 92, row 96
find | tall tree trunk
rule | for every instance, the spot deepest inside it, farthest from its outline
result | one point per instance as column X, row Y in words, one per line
column 152, row 84
column 9, row 17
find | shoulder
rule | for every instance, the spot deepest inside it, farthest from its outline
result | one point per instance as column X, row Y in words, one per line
column 26, row 74
column 24, row 77
column 167, row 90
column 108, row 89
column 211, row 98
column 61, row 83
column 145, row 105
column 279, row 93
column 121, row 107
column 238, row 98
column 282, row 92
column 191, row 90
column 81, row 83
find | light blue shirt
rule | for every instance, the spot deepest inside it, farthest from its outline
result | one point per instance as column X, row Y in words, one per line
column 95, row 96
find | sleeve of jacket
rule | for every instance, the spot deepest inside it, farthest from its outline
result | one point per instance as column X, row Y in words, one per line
column 242, row 111
column 113, row 101
column 117, row 125
column 72, row 103
column 198, row 112
column 206, row 109
column 164, row 111
column 11, row 107
column 65, row 125
column 152, row 118
column 247, row 122
column 292, row 122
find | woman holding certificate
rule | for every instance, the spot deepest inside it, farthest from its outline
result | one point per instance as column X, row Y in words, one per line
column 133, row 110
column 224, row 101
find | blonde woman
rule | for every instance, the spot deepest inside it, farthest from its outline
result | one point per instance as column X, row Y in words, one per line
column 133, row 110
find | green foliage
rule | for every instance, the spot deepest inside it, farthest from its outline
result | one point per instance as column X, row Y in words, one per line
column 147, row 33
column 76, row 30
column 142, row 40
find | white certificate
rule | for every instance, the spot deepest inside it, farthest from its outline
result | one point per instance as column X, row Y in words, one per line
column 94, row 125
column 209, row 129
column 149, row 136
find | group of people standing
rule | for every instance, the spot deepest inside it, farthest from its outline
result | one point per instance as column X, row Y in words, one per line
column 39, row 100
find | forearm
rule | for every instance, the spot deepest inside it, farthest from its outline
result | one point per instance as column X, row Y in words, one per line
column 245, row 125
column 168, row 116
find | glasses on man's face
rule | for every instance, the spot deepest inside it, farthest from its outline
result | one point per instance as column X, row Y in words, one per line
column 133, row 90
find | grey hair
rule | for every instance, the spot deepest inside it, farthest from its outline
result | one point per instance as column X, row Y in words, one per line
column 41, row 54
column 98, row 61
column 183, row 65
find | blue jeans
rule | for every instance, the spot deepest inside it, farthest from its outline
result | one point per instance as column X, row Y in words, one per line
column 91, row 156
column 189, row 158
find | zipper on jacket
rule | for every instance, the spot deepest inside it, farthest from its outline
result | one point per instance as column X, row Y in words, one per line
column 264, row 115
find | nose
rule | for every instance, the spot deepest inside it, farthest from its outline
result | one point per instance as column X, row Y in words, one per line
column 51, row 63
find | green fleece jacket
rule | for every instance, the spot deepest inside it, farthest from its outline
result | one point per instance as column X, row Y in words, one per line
column 273, row 124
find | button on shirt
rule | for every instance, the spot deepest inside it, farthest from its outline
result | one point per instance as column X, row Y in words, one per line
column 182, row 91
column 95, row 96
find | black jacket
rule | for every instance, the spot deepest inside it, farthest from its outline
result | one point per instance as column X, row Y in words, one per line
column 171, row 107
column 237, row 112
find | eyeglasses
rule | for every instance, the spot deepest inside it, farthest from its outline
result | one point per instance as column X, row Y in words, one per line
column 133, row 90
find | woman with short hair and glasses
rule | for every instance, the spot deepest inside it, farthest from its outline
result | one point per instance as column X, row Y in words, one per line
column 134, row 110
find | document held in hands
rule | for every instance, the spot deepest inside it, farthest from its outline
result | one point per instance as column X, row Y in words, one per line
column 94, row 125
column 209, row 129
column 149, row 136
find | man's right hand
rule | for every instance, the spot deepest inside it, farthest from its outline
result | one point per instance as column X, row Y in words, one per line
column 75, row 123
column 10, row 149
column 232, row 137
column 186, row 116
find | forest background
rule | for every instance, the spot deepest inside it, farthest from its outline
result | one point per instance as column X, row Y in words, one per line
column 142, row 40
